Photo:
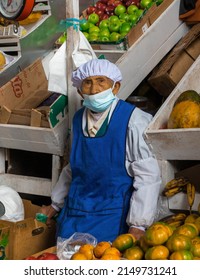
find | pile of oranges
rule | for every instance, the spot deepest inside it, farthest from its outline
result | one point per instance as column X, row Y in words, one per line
column 160, row 242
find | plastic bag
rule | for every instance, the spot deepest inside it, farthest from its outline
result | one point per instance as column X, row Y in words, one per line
column 57, row 77
column 67, row 247
column 83, row 52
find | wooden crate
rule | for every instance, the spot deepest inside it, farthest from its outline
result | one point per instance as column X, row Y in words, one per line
column 175, row 144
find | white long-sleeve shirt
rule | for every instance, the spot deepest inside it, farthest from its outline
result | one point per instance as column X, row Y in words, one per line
column 140, row 164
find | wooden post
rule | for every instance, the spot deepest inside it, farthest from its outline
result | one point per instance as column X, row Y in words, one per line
column 72, row 11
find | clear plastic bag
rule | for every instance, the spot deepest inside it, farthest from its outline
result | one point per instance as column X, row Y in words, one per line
column 67, row 247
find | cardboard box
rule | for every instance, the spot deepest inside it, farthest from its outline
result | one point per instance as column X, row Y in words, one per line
column 173, row 67
column 179, row 201
column 175, row 144
column 26, row 90
column 29, row 236
column 4, row 241
column 20, row 98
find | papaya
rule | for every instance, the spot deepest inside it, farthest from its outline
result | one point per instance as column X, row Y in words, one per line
column 186, row 111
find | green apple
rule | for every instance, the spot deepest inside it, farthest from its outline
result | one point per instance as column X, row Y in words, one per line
column 133, row 18
column 114, row 36
column 104, row 32
column 86, row 34
column 93, row 18
column 93, row 36
column 93, row 29
column 113, row 18
column 124, row 16
column 91, row 24
column 104, row 39
column 122, row 35
column 114, row 26
column 104, row 23
column 132, row 9
column 125, row 28
column 120, row 9
column 140, row 12
column 84, row 25
column 146, row 4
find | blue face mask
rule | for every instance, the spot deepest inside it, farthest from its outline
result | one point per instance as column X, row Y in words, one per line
column 99, row 102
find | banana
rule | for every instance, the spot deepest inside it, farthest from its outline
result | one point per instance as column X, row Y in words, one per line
column 176, row 223
column 190, row 195
column 172, row 191
column 175, row 218
column 177, row 182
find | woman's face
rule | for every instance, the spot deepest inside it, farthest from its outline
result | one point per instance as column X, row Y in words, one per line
column 96, row 84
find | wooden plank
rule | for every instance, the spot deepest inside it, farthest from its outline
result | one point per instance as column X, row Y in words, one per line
column 26, row 184
column 36, row 139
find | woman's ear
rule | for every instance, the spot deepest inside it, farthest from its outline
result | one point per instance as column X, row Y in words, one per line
column 116, row 88
column 79, row 92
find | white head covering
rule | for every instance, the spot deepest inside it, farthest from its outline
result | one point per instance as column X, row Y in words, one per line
column 96, row 67
column 12, row 208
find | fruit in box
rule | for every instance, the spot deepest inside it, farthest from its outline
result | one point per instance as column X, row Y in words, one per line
column 186, row 111
column 112, row 10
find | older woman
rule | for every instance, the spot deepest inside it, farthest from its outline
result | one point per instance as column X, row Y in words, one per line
column 112, row 183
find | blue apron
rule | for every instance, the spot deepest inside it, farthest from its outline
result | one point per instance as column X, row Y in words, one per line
column 100, row 191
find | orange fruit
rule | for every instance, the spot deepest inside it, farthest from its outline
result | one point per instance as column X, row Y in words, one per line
column 157, row 234
column 110, row 257
column 191, row 218
column 133, row 253
column 178, row 242
column 87, row 250
column 112, row 250
column 78, row 256
column 158, row 252
column 195, row 248
column 100, row 248
column 188, row 229
column 143, row 243
column 181, row 255
column 123, row 241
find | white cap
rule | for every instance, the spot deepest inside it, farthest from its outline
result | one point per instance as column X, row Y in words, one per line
column 11, row 205
column 96, row 67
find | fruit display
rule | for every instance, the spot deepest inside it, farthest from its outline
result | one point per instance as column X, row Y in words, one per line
column 163, row 240
column 186, row 111
column 111, row 20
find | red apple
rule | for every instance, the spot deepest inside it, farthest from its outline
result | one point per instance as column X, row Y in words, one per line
column 90, row 10
column 109, row 10
column 47, row 256
column 100, row 13
column 105, row 16
column 100, row 6
column 104, row 1
column 132, row 2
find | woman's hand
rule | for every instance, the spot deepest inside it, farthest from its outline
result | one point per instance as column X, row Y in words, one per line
column 137, row 233
column 50, row 212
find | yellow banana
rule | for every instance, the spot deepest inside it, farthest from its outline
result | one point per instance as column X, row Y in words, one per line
column 172, row 191
column 177, row 182
column 175, row 218
column 176, row 223
column 190, row 195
